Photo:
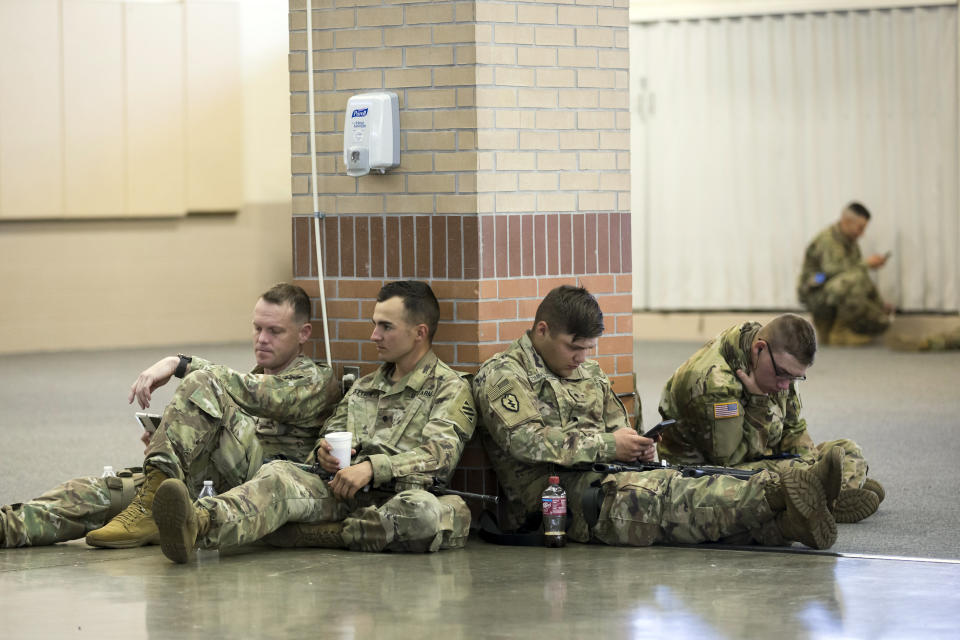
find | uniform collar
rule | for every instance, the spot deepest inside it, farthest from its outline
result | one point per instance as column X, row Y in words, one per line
column 534, row 363
column 414, row 380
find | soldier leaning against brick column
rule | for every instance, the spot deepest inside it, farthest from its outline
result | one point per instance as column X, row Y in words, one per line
column 220, row 425
column 545, row 408
column 410, row 421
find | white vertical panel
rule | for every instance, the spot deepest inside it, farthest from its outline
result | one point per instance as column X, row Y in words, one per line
column 765, row 127
column 31, row 140
column 155, row 109
column 95, row 171
column 214, row 114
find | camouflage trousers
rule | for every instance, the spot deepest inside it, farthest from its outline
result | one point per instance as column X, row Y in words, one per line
column 945, row 341
column 68, row 511
column 644, row 508
column 205, row 435
column 855, row 466
column 850, row 299
column 411, row 520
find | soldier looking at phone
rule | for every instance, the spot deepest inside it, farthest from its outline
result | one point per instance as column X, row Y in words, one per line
column 220, row 425
column 835, row 284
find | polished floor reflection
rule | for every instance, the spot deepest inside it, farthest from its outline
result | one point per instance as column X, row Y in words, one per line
column 484, row 591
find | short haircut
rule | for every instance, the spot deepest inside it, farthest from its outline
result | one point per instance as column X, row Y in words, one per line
column 792, row 334
column 418, row 301
column 573, row 310
column 858, row 209
column 292, row 295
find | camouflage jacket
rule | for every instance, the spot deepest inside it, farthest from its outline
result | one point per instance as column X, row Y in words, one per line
column 829, row 253
column 533, row 421
column 417, row 425
column 289, row 407
column 719, row 422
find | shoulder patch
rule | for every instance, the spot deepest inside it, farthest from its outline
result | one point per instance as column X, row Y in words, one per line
column 726, row 410
column 510, row 403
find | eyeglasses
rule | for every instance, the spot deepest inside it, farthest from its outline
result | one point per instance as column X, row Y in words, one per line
column 780, row 373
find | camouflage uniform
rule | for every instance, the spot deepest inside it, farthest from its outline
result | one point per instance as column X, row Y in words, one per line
column 848, row 296
column 409, row 430
column 220, row 425
column 720, row 423
column 68, row 511
column 534, row 424
column 944, row 341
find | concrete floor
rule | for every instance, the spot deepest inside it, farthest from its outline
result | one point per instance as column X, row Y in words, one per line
column 63, row 415
column 484, row 591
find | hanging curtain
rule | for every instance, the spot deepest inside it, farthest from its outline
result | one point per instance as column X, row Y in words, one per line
column 751, row 134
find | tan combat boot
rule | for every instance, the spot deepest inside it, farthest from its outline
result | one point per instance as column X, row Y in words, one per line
column 823, row 330
column 854, row 505
column 805, row 518
column 328, row 535
column 179, row 521
column 843, row 336
column 829, row 471
column 872, row 485
column 134, row 526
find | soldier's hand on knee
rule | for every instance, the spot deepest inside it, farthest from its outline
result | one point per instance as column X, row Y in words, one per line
column 156, row 375
column 347, row 482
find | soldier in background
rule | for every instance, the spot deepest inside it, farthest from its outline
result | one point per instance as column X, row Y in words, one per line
column 545, row 408
column 943, row 341
column 835, row 284
column 410, row 421
column 220, row 425
column 736, row 404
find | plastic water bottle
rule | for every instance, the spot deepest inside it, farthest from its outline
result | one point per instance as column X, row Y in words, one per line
column 554, row 502
column 208, row 491
column 108, row 472
column 207, row 555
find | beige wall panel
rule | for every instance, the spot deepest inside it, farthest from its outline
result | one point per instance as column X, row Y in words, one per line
column 94, row 168
column 31, row 153
column 155, row 109
column 112, row 284
column 214, row 114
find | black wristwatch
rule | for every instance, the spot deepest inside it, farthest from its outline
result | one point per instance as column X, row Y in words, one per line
column 181, row 369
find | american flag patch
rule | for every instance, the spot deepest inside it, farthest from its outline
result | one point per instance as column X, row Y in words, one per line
column 726, row 410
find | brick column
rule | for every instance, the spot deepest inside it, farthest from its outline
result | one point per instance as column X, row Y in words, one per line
column 513, row 178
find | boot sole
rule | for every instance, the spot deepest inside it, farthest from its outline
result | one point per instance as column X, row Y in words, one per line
column 854, row 505
column 172, row 511
column 807, row 496
column 872, row 485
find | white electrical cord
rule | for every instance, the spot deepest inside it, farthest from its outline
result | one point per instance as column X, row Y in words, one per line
column 313, row 181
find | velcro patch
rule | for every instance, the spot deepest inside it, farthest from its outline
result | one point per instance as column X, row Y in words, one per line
column 726, row 410
column 510, row 403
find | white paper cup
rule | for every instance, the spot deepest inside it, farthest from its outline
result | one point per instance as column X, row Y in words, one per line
column 341, row 441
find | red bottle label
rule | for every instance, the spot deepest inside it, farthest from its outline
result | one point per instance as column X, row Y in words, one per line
column 555, row 506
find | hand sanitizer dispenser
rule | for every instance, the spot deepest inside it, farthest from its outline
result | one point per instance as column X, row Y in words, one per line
column 371, row 133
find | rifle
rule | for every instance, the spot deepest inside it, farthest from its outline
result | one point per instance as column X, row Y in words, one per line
column 686, row 470
column 414, row 481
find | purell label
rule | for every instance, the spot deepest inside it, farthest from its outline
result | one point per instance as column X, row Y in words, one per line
column 555, row 506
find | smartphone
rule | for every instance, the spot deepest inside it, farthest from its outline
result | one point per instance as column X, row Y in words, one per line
column 149, row 421
column 655, row 431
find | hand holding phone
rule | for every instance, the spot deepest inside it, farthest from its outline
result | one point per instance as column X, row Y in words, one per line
column 654, row 432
